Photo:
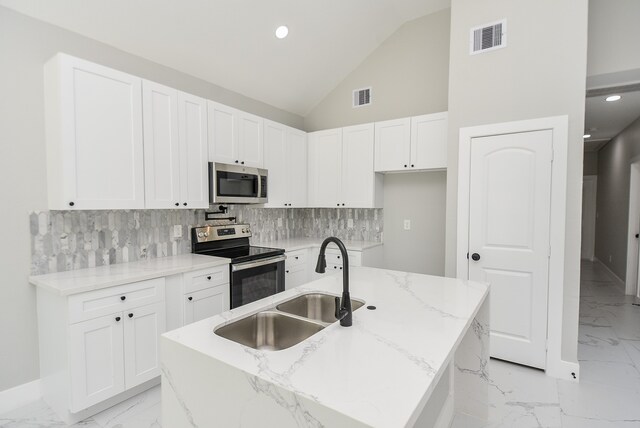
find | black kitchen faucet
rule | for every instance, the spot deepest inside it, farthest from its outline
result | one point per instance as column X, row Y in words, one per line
column 343, row 310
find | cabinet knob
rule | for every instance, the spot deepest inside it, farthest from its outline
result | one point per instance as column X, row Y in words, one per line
column 123, row 297
column 337, row 205
column 117, row 319
column 405, row 166
column 296, row 257
column 177, row 204
column 237, row 161
column 343, row 205
column 190, row 298
column 242, row 162
column 130, row 315
column 286, row 271
column 335, row 267
column 71, row 204
column 209, row 278
column 340, row 267
column 185, row 204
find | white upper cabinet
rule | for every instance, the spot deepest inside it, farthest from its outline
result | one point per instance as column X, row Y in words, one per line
column 161, row 146
column 325, row 168
column 429, row 141
column 285, row 157
column 359, row 181
column 194, row 147
column 392, row 145
column 416, row 143
column 235, row 137
column 341, row 169
column 175, row 148
column 94, row 136
column 223, row 133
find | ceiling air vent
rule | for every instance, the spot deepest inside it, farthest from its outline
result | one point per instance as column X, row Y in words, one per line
column 362, row 97
column 488, row 37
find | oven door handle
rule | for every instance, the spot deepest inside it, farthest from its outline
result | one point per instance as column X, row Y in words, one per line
column 257, row 263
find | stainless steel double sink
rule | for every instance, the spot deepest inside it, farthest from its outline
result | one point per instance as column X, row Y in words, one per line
column 286, row 325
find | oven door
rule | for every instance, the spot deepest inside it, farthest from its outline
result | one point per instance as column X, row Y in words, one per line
column 237, row 184
column 255, row 280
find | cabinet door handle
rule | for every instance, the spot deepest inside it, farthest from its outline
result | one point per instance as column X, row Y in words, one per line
column 296, row 257
column 71, row 203
column 185, row 204
column 177, row 204
column 411, row 165
column 237, row 161
column 343, row 205
column 209, row 278
column 117, row 319
column 190, row 298
column 338, row 205
column 242, row 162
column 123, row 298
column 130, row 315
column 338, row 256
column 405, row 166
column 286, row 271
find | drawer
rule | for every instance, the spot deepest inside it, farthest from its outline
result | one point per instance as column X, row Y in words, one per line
column 205, row 278
column 334, row 257
column 296, row 258
column 107, row 301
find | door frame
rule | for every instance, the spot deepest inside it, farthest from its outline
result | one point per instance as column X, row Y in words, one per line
column 558, row 125
column 594, row 179
column 632, row 277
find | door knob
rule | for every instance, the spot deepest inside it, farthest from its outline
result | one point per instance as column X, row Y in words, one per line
column 475, row 257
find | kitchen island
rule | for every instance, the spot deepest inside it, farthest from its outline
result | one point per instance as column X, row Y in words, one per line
column 414, row 360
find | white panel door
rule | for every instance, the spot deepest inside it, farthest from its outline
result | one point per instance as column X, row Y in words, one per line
column 275, row 161
column 250, row 140
column 325, row 168
column 296, row 168
column 206, row 303
column 99, row 154
column 194, row 157
column 429, row 141
column 223, row 133
column 358, row 178
column 161, row 146
column 96, row 360
column 509, row 211
column 142, row 330
column 392, row 142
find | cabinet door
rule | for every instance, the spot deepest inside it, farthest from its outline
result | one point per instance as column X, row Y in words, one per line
column 295, row 276
column 94, row 136
column 250, row 139
column 392, row 142
column 161, row 146
column 429, row 141
column 296, row 168
column 275, row 161
column 142, row 330
column 194, row 181
column 325, row 168
column 358, row 178
column 223, row 133
column 206, row 303
column 96, row 360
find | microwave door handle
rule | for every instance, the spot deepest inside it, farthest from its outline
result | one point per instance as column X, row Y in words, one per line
column 259, row 189
column 257, row 263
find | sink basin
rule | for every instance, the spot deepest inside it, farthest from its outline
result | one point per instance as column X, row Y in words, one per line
column 315, row 306
column 269, row 330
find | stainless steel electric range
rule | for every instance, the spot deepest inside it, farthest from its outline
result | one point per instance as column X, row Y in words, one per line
column 255, row 272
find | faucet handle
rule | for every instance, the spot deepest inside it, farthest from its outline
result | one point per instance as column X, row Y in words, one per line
column 337, row 314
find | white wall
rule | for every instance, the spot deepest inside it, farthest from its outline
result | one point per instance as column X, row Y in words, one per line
column 409, row 75
column 542, row 72
column 421, row 198
column 25, row 45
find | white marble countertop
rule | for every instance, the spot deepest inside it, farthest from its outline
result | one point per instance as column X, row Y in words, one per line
column 81, row 280
column 302, row 243
column 382, row 370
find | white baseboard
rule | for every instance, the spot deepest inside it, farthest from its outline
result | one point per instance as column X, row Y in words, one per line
column 562, row 369
column 11, row 399
column 616, row 279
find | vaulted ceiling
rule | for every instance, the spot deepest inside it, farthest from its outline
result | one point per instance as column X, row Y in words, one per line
column 231, row 42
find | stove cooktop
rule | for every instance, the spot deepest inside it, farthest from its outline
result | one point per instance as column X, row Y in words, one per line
column 244, row 253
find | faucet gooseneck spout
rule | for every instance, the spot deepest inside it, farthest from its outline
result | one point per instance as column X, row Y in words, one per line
column 343, row 309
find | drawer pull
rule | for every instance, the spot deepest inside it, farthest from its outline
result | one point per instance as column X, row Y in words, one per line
column 130, row 315
column 123, row 297
column 190, row 298
column 117, row 319
column 209, row 278
column 286, row 271
column 296, row 257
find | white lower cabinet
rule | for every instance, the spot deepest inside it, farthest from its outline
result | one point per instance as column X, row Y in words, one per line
column 296, row 268
column 206, row 303
column 142, row 329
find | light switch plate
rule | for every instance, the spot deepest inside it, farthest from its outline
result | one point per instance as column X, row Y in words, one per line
column 407, row 225
column 177, row 231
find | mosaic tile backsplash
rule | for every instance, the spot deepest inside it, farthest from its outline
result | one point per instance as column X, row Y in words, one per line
column 69, row 240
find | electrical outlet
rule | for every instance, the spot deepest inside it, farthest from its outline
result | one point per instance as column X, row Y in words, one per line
column 350, row 223
column 407, row 225
column 177, row 231
column 279, row 221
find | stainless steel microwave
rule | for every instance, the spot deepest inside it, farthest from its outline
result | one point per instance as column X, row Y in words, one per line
column 237, row 184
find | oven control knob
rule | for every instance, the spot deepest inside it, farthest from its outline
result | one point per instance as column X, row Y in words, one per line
column 206, row 234
column 200, row 234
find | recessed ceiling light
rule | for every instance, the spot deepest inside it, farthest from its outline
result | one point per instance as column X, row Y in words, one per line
column 613, row 98
column 282, row 31
column 586, row 136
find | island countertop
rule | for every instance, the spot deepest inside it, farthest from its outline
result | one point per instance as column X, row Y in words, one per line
column 379, row 372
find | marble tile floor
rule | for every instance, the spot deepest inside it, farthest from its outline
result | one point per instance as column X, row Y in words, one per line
column 607, row 396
